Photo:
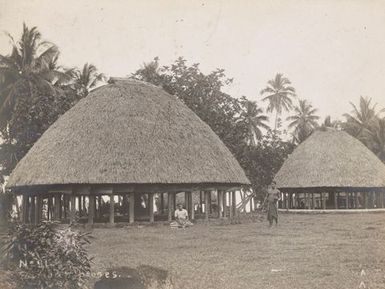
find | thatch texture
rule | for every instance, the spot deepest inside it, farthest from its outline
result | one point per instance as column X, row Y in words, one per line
column 334, row 159
column 128, row 132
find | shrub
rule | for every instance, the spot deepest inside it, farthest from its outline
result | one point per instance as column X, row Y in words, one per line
column 6, row 201
column 46, row 256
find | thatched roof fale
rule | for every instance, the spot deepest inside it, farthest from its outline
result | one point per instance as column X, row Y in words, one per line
column 331, row 159
column 128, row 132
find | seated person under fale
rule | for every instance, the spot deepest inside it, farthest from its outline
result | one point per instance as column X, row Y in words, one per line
column 181, row 218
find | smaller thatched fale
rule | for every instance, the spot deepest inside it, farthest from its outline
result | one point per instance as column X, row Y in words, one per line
column 332, row 169
column 331, row 159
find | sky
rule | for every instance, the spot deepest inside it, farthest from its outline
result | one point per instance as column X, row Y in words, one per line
column 332, row 51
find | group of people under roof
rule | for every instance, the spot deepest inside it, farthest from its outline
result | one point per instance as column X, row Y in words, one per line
column 271, row 201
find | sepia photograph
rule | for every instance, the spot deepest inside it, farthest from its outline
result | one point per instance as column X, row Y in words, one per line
column 170, row 144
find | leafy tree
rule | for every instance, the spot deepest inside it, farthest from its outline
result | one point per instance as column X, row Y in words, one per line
column 252, row 116
column 303, row 121
column 262, row 162
column 202, row 94
column 279, row 95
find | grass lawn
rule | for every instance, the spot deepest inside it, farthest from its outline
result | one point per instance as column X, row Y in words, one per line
column 303, row 251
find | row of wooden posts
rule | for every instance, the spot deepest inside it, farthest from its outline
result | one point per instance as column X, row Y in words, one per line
column 63, row 206
column 351, row 199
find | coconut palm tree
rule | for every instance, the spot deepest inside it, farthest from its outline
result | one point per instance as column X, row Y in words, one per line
column 280, row 95
column 86, row 79
column 375, row 137
column 28, row 68
column 252, row 116
column 303, row 121
column 329, row 123
column 150, row 72
column 358, row 122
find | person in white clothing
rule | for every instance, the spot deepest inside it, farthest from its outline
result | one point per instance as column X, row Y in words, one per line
column 181, row 216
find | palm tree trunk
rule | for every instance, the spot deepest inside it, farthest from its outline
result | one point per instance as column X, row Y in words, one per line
column 276, row 119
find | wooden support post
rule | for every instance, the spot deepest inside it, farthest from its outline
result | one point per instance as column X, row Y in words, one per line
column 192, row 205
column 382, row 199
column 234, row 199
column 112, row 209
column 80, row 205
column 39, row 206
column 186, row 202
column 125, row 204
column 224, row 204
column 57, row 207
column 65, row 197
column 173, row 202
column 28, row 210
column 335, row 200
column 49, row 208
column 84, row 205
column 207, row 205
column 131, row 210
column 231, row 209
column 288, row 199
column 201, row 202
column 162, row 203
column 366, row 199
column 170, row 206
column 36, row 218
column 23, row 209
column 251, row 204
column 312, row 201
column 151, row 206
column 98, row 209
column 374, row 198
column 91, row 209
column 220, row 203
column 347, row 200
column 72, row 209
column 32, row 210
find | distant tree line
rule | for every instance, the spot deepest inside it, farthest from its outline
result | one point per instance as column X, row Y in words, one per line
column 36, row 90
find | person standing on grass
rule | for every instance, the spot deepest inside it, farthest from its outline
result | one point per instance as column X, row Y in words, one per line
column 272, row 198
column 181, row 216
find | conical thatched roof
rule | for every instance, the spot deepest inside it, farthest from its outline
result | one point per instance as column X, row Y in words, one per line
column 128, row 132
column 333, row 159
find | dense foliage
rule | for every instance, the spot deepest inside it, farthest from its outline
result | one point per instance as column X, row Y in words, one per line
column 45, row 256
column 34, row 92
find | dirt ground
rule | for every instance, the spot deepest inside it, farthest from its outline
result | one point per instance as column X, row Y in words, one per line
column 303, row 251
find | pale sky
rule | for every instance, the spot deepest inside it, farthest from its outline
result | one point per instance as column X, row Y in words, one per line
column 332, row 51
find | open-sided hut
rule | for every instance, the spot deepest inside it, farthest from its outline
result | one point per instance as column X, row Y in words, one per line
column 130, row 139
column 332, row 169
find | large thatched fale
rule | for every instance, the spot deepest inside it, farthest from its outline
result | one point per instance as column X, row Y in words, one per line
column 127, row 136
column 332, row 161
column 128, row 133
